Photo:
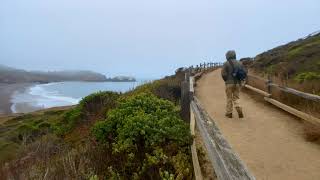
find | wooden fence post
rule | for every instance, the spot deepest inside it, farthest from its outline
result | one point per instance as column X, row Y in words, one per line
column 269, row 84
column 185, row 98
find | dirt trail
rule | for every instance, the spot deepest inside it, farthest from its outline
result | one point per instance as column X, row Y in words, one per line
column 268, row 140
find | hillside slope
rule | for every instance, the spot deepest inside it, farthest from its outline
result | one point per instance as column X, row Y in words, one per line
column 293, row 58
column 297, row 63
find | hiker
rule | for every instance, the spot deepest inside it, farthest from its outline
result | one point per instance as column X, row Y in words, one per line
column 233, row 73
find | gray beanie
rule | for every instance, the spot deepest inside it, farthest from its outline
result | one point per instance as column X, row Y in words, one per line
column 231, row 55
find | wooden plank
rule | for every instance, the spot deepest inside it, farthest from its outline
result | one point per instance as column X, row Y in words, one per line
column 263, row 93
column 293, row 111
column 185, row 101
column 214, row 156
column 309, row 96
column 191, row 81
column 227, row 164
column 195, row 159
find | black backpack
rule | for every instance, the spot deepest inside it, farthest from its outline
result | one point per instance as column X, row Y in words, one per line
column 238, row 73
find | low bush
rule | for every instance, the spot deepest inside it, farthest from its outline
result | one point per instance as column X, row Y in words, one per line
column 68, row 121
column 168, row 88
column 148, row 137
column 99, row 103
column 307, row 76
column 96, row 104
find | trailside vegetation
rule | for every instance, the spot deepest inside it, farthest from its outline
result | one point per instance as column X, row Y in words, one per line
column 296, row 64
column 22, row 130
column 148, row 137
column 136, row 135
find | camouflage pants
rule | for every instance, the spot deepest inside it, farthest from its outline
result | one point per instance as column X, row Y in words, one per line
column 232, row 92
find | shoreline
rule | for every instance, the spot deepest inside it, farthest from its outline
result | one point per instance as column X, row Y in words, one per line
column 6, row 92
column 12, row 95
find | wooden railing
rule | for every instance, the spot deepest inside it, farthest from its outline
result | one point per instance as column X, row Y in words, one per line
column 226, row 163
column 268, row 92
column 196, row 72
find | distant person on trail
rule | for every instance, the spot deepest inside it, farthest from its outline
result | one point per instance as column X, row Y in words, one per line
column 233, row 73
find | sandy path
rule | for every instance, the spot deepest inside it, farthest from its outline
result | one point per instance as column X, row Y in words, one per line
column 268, row 140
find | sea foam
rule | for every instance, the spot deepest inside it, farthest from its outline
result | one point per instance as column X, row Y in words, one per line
column 49, row 95
column 50, row 98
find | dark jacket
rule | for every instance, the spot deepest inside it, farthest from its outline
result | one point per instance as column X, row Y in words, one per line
column 226, row 71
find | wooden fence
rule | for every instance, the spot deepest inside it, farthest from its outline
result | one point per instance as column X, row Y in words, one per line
column 196, row 72
column 226, row 163
column 267, row 88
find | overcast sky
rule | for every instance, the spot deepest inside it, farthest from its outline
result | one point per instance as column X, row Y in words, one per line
column 145, row 38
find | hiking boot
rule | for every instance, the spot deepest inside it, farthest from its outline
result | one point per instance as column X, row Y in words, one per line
column 228, row 115
column 240, row 113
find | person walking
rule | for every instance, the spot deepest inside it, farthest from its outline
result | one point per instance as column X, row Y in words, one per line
column 233, row 73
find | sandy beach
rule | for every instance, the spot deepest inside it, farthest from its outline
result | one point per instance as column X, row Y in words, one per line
column 6, row 91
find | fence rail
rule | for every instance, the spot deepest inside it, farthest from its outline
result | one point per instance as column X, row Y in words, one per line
column 268, row 96
column 227, row 164
column 301, row 94
column 308, row 96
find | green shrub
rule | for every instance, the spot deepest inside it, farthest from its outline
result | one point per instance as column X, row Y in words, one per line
column 92, row 105
column 296, row 51
column 168, row 88
column 271, row 69
column 99, row 103
column 307, row 76
column 148, row 135
column 44, row 125
column 27, row 132
column 68, row 121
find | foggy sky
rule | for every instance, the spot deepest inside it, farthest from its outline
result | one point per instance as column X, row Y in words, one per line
column 145, row 38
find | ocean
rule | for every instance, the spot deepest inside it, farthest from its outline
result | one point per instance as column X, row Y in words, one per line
column 42, row 96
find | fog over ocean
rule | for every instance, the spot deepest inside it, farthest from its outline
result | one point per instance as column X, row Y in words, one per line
column 42, row 96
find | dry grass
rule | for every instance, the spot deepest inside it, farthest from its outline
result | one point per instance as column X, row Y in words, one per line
column 51, row 159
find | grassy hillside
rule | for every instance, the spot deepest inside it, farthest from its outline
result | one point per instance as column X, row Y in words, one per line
column 296, row 63
column 136, row 135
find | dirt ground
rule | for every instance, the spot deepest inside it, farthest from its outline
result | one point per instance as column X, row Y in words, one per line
column 270, row 141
